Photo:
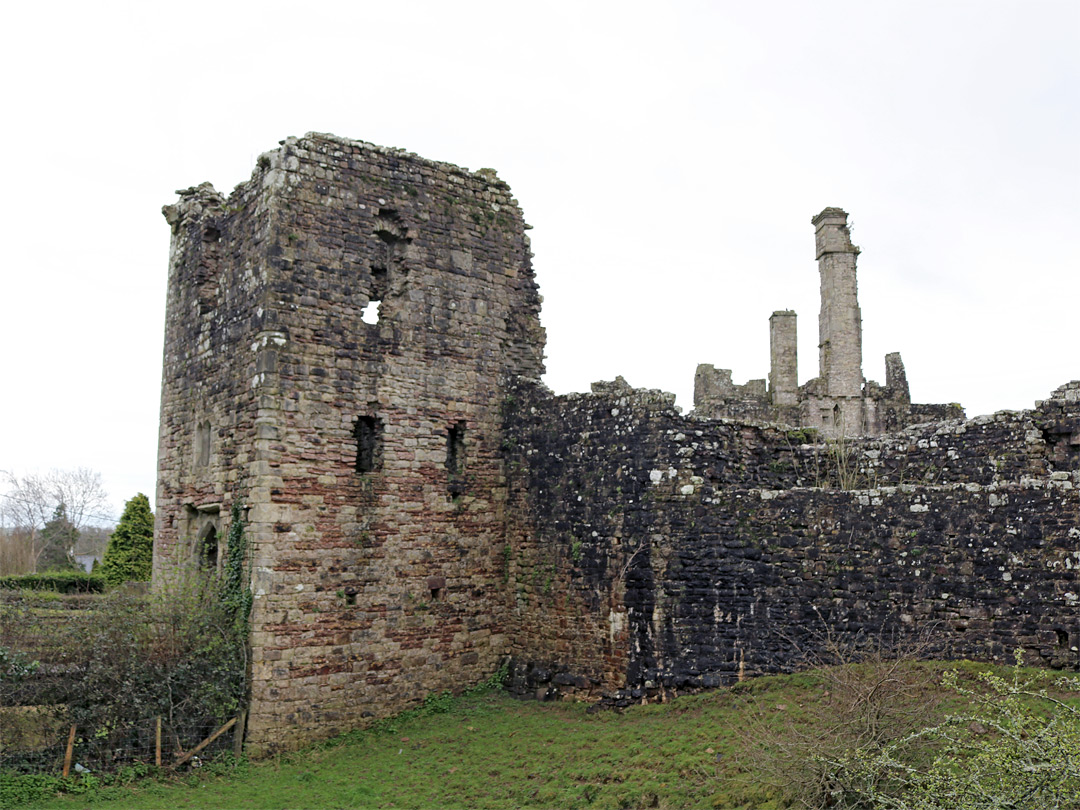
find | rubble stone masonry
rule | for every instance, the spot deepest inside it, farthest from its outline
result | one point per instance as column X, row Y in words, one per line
column 652, row 551
column 353, row 351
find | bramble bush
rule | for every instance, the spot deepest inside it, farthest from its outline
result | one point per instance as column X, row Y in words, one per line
column 1017, row 747
column 873, row 693
column 179, row 653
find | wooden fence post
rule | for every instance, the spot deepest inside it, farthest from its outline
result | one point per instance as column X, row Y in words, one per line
column 68, row 752
column 238, row 736
column 184, row 758
column 157, row 743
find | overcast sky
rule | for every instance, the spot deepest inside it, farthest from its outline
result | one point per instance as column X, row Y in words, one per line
column 669, row 156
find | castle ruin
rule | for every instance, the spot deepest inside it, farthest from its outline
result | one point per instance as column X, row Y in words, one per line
column 353, row 352
column 839, row 402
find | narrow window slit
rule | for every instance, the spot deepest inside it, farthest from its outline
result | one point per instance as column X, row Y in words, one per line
column 202, row 444
column 455, row 459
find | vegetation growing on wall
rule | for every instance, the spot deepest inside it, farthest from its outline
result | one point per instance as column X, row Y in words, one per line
column 234, row 587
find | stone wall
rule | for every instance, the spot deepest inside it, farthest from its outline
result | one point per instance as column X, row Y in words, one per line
column 216, row 305
column 681, row 553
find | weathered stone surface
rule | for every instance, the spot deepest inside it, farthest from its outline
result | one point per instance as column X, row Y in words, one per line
column 653, row 550
column 375, row 570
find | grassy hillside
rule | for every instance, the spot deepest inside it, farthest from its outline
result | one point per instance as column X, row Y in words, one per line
column 725, row 749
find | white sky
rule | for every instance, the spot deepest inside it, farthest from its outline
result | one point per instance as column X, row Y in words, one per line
column 669, row 155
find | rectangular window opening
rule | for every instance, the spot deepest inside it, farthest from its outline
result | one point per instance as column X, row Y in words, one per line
column 368, row 434
column 436, row 587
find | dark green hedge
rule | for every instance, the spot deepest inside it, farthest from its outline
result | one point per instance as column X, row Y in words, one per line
column 59, row 581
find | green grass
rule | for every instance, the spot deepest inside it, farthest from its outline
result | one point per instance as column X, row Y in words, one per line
column 492, row 751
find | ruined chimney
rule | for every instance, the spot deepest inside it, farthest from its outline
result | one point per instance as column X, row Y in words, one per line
column 784, row 366
column 840, row 322
column 896, row 377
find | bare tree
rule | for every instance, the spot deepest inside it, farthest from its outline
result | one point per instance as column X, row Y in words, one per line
column 81, row 492
column 32, row 500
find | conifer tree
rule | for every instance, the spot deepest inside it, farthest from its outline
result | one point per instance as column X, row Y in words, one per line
column 131, row 547
column 58, row 539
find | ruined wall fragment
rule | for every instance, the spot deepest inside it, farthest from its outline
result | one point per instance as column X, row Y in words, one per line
column 839, row 402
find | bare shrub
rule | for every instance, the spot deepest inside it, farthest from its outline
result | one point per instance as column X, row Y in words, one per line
column 867, row 693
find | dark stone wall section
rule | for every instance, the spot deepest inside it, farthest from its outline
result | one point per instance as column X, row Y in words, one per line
column 685, row 553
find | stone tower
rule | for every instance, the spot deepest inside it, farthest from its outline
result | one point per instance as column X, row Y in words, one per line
column 339, row 332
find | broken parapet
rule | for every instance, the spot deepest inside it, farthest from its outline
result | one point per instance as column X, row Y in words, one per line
column 646, row 397
column 716, row 396
column 1058, row 419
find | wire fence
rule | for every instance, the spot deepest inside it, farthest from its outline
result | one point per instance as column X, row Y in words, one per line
column 99, row 682
column 41, row 739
